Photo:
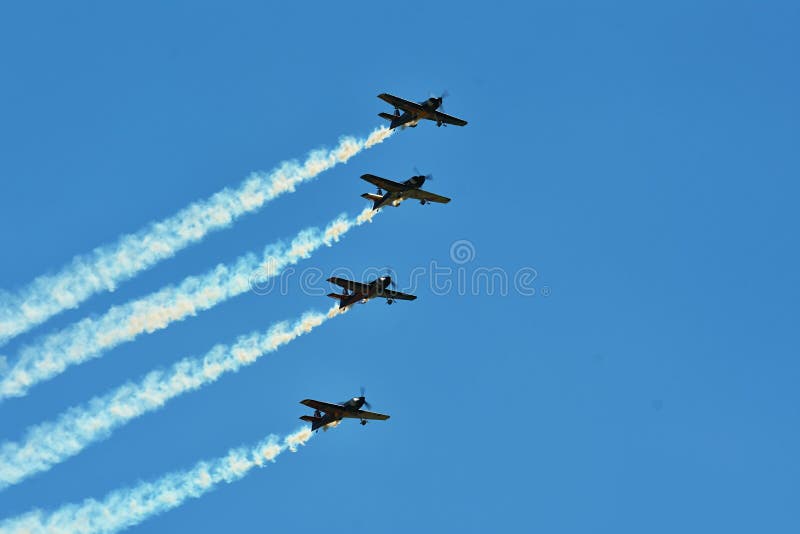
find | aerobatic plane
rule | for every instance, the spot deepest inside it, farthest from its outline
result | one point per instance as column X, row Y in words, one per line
column 356, row 291
column 397, row 192
column 413, row 112
column 326, row 413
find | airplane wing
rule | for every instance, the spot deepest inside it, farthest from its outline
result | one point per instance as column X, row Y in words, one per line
column 363, row 414
column 419, row 194
column 396, row 295
column 401, row 103
column 383, row 183
column 349, row 284
column 326, row 407
column 449, row 119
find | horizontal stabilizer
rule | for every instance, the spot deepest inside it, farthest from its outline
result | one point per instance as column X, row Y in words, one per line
column 344, row 300
column 394, row 118
column 310, row 418
column 316, row 422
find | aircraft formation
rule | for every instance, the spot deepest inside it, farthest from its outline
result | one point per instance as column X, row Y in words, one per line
column 327, row 414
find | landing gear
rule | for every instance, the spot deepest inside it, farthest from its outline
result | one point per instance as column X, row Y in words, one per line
column 317, row 413
column 439, row 123
column 396, row 112
column 389, row 301
column 363, row 422
column 423, row 202
column 380, row 192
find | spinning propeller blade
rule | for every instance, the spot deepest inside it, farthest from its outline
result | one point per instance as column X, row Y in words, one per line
column 364, row 399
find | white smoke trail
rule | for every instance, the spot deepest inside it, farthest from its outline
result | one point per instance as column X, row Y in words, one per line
column 107, row 266
column 50, row 443
column 126, row 507
column 90, row 337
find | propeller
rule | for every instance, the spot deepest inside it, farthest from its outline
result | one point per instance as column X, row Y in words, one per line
column 440, row 107
column 364, row 399
column 428, row 177
column 391, row 284
column 441, row 98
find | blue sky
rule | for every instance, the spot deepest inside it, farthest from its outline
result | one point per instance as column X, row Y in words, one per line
column 641, row 159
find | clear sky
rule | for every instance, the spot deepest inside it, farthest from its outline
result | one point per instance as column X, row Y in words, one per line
column 642, row 159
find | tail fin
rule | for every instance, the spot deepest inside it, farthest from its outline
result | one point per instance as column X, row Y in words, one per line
column 344, row 300
column 390, row 117
column 338, row 297
column 376, row 199
column 316, row 422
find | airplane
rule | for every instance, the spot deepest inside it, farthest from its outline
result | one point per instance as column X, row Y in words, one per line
column 397, row 192
column 413, row 112
column 349, row 409
column 364, row 292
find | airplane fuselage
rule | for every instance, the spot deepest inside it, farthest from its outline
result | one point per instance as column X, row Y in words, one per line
column 411, row 119
column 357, row 291
column 430, row 109
column 351, row 406
column 374, row 289
column 394, row 198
